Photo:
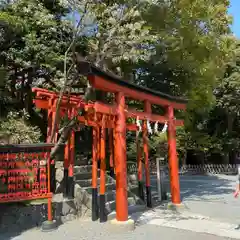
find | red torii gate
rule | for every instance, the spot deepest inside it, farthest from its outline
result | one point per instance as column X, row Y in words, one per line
column 101, row 116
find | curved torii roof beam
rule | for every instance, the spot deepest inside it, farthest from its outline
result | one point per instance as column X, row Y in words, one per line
column 112, row 83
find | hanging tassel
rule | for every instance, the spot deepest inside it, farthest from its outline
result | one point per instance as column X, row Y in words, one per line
column 149, row 127
column 165, row 127
column 139, row 124
column 156, row 127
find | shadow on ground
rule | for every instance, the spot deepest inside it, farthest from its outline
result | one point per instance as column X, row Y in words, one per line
column 17, row 218
column 197, row 187
column 14, row 220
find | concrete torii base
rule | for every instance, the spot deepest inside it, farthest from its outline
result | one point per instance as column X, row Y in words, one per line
column 49, row 226
column 176, row 207
column 120, row 227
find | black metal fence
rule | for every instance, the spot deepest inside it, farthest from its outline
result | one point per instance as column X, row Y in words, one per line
column 229, row 169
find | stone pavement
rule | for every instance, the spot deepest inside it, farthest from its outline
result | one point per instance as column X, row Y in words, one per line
column 211, row 196
column 211, row 213
column 151, row 224
column 186, row 220
column 80, row 230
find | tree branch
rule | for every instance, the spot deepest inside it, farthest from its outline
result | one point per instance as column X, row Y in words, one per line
column 63, row 89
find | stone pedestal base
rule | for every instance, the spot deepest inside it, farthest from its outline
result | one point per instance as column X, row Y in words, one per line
column 121, row 227
column 176, row 207
column 49, row 226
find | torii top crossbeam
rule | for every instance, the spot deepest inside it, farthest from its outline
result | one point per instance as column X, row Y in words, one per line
column 111, row 83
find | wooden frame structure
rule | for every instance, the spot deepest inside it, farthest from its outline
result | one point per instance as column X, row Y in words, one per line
column 113, row 117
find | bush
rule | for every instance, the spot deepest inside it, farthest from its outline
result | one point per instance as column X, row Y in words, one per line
column 15, row 129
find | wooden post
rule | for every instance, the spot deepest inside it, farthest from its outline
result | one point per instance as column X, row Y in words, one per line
column 111, row 151
column 70, row 183
column 139, row 165
column 51, row 119
column 120, row 161
column 173, row 160
column 147, row 109
column 114, row 147
column 95, row 209
column 98, row 146
column 50, row 217
column 103, row 216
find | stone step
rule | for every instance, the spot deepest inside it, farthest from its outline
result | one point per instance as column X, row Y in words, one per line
column 87, row 176
column 133, row 179
column 84, row 172
column 83, row 169
column 83, row 180
column 134, row 189
column 82, row 176
column 88, row 182
column 111, row 205
column 110, row 196
column 82, row 162
column 109, row 187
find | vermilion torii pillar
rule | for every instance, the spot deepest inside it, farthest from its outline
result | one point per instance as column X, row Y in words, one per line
column 51, row 119
column 120, row 161
column 71, row 165
column 139, row 166
column 102, row 213
column 147, row 109
column 95, row 208
column 173, row 159
column 111, row 151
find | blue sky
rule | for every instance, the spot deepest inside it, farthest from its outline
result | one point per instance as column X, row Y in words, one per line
column 235, row 12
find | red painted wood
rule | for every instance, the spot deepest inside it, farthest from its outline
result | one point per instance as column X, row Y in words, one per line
column 103, row 159
column 20, row 197
column 104, row 85
column 147, row 109
column 139, row 157
column 111, row 148
column 26, row 175
column 173, row 159
column 94, row 157
column 108, row 109
column 111, row 110
column 120, row 161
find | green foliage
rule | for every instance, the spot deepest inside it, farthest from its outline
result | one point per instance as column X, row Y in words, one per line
column 157, row 144
column 41, row 44
column 194, row 45
column 228, row 90
column 119, row 35
column 181, row 47
column 17, row 128
column 33, row 40
column 43, row 38
column 216, row 130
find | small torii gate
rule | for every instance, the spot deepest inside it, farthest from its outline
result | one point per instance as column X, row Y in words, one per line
column 113, row 116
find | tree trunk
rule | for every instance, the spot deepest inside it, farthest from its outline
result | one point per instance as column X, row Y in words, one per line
column 66, row 130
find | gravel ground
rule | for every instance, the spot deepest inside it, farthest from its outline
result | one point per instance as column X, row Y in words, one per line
column 79, row 230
